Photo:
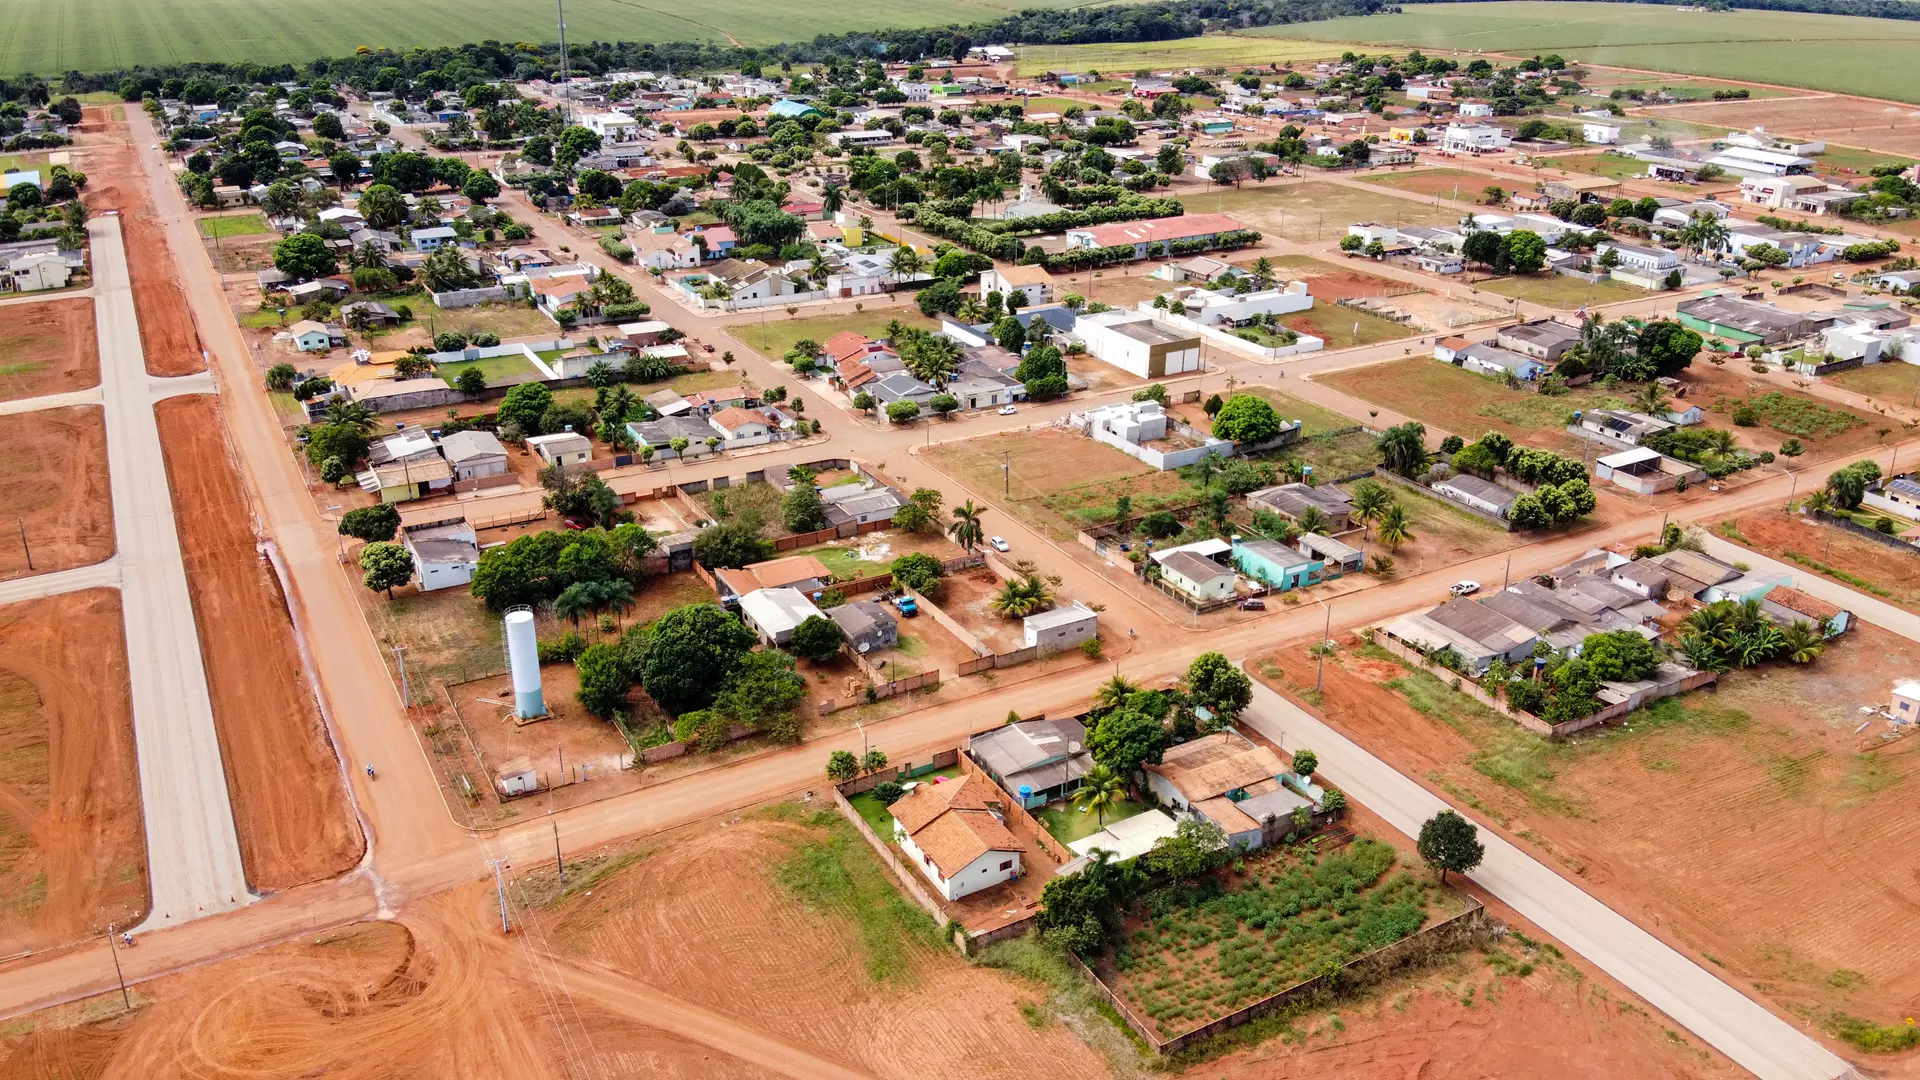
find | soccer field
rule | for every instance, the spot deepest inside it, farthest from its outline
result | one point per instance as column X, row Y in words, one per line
column 1852, row 55
column 99, row 35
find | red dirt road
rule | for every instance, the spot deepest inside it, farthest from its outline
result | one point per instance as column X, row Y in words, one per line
column 72, row 849
column 289, row 802
column 115, row 183
column 55, row 480
column 48, row 348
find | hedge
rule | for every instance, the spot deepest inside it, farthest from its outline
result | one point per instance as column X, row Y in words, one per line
column 1081, row 258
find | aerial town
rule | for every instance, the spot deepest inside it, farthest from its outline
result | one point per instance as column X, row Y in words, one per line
column 658, row 554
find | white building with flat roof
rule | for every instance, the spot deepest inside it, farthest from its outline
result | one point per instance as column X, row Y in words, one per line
column 1139, row 344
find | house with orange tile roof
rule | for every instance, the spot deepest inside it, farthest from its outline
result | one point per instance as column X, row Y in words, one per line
column 956, row 833
column 741, row 427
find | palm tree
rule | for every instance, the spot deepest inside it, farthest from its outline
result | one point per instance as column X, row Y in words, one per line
column 1396, row 527
column 1816, row 502
column 1712, row 624
column 368, row 256
column 1311, row 520
column 1370, row 502
column 832, row 199
column 904, row 263
column 1114, row 691
column 1801, row 643
column 965, row 529
column 1021, row 597
column 1703, row 232
column 574, row 601
column 620, row 404
column 1651, row 399
column 1262, row 271
column 352, row 413
column 1100, row 788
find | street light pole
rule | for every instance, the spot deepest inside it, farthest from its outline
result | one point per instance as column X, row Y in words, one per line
column 1320, row 647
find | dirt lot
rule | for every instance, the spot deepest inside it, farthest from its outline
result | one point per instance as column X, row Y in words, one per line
column 55, row 478
column 116, row 182
column 1855, row 121
column 1452, row 184
column 72, row 845
column 1743, row 801
column 1776, row 532
column 1707, row 383
column 572, row 745
column 733, row 953
column 1056, row 478
column 288, row 798
column 1330, row 281
column 1315, row 210
column 47, row 348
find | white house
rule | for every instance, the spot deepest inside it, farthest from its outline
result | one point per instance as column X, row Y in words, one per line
column 739, row 427
column 561, row 448
column 1061, row 628
column 1480, row 494
column 1476, row 108
column 1213, row 308
column 1473, row 138
column 775, row 613
column 41, row 270
column 311, row 336
column 1137, row 343
column 1600, row 134
column 613, row 128
column 434, row 239
column 474, row 454
column 1033, row 283
column 1196, row 576
column 445, row 554
column 956, row 834
column 1777, row 191
column 1647, row 260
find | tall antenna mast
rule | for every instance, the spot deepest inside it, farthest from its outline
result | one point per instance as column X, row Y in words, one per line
column 560, row 7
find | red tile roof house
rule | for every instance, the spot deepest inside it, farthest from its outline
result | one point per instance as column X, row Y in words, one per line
column 555, row 293
column 718, row 240
column 956, row 834
column 1145, row 235
column 739, row 427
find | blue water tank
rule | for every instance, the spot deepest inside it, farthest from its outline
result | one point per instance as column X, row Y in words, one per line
column 1026, row 793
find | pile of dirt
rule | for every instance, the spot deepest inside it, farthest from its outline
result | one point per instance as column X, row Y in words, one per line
column 117, row 182
column 289, row 799
column 72, row 847
column 48, row 348
column 54, row 487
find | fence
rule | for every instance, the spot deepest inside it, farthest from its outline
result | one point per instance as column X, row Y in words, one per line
column 1019, row 813
column 885, row 852
column 1383, row 473
column 502, row 520
column 902, row 772
column 459, row 298
column 480, row 482
column 1878, row 502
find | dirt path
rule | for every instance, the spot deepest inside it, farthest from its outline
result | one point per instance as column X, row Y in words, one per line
column 55, row 487
column 288, row 801
column 115, row 183
column 72, row 851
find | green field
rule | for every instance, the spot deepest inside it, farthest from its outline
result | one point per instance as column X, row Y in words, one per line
column 1822, row 52
column 1221, row 50
column 97, row 35
column 1560, row 291
column 496, row 369
column 234, row 225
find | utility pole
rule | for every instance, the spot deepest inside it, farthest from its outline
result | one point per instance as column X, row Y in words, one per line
column 114, row 948
column 406, row 694
column 1320, row 647
column 500, row 888
column 24, row 546
column 1006, row 481
column 566, row 115
column 1506, row 576
column 559, row 867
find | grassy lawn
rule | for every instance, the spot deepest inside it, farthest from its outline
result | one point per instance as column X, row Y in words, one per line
column 1057, row 481
column 1314, row 419
column 1847, row 159
column 1560, row 291
column 844, row 562
column 1335, row 456
column 1430, row 182
column 1894, row 381
column 1609, row 165
column 1345, row 327
column 776, row 335
column 234, row 225
column 509, row 320
column 691, row 383
column 1458, row 401
column 495, row 369
column 1067, row 823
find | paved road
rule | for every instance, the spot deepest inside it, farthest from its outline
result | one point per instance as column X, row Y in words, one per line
column 1716, row 1013
column 193, row 851
column 103, row 574
column 46, row 298
column 50, row 401
column 1871, row 609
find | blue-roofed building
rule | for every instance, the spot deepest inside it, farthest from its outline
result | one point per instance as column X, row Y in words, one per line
column 789, row 109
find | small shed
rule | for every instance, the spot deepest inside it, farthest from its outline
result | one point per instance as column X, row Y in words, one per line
column 1906, row 701
column 516, row 777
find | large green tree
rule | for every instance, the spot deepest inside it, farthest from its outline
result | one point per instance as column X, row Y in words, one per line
column 524, row 406
column 1214, row 682
column 1129, row 736
column 371, row 523
column 685, row 658
column 604, row 679
column 1450, row 842
column 304, row 256
column 1246, row 419
column 386, row 566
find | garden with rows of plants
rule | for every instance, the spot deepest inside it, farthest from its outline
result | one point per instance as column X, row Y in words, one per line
column 1195, row 952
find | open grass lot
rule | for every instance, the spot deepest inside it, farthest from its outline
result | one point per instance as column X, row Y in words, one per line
column 1315, row 210
column 94, row 35
column 1704, row 814
column 1066, row 822
column 1447, row 183
column 495, row 369
column 1845, row 161
column 1196, row 952
column 1211, row 50
column 1345, row 327
column 777, row 334
column 1454, row 400
column 1894, row 382
column 1823, row 52
column 1314, row 419
column 234, row 225
column 1559, row 290
column 1057, row 481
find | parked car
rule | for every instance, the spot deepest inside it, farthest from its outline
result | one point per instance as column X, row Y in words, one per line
column 1253, row 604
column 1464, row 588
column 1008, row 410
column 998, row 544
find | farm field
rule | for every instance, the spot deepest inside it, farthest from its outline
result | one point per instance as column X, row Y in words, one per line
column 1869, row 124
column 1822, row 52
column 775, row 336
column 1560, row 291
column 1311, row 211
column 289, row 798
column 47, row 348
column 1213, row 49
column 239, row 33
column 1453, row 400
column 1692, row 811
column 54, row 479
column 72, row 843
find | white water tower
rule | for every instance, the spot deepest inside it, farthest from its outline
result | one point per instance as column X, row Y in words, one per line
column 523, row 660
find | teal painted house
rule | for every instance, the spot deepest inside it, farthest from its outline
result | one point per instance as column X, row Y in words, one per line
column 1277, row 565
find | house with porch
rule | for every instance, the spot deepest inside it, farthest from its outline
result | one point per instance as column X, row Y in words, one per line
column 955, row 834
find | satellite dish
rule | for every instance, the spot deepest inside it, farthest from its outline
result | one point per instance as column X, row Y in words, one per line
column 864, row 647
